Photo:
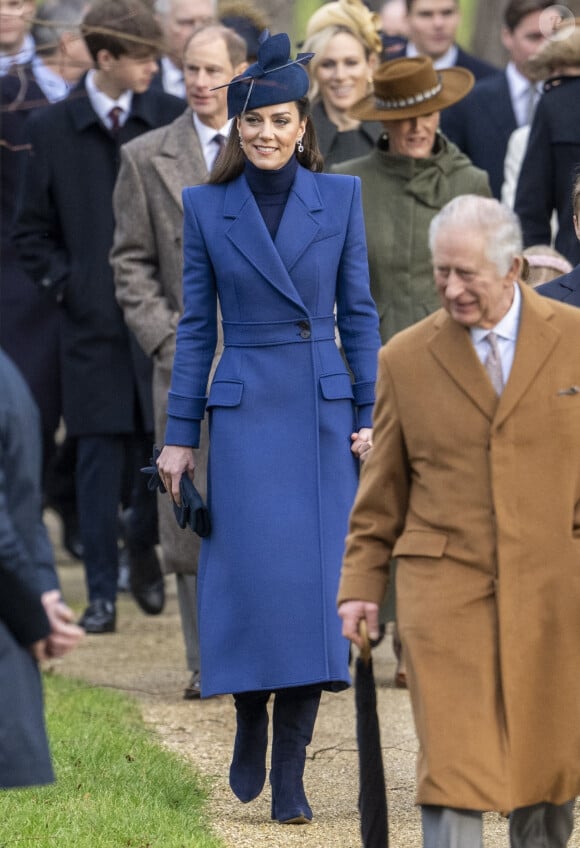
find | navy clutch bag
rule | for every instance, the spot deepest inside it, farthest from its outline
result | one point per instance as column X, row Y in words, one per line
column 192, row 511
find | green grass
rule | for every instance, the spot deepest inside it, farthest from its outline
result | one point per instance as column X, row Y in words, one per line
column 116, row 787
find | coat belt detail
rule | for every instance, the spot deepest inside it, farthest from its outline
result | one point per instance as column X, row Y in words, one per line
column 245, row 334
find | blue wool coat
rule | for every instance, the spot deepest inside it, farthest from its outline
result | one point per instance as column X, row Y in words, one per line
column 282, row 407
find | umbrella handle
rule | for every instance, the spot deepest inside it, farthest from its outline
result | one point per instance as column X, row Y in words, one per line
column 365, row 651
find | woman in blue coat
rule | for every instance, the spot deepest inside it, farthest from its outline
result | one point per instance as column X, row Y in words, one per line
column 282, row 247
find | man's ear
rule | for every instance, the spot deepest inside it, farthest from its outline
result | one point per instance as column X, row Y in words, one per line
column 239, row 69
column 104, row 60
column 507, row 39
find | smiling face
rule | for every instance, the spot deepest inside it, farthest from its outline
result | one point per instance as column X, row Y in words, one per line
column 343, row 72
column 269, row 134
column 413, row 137
column 470, row 286
column 206, row 66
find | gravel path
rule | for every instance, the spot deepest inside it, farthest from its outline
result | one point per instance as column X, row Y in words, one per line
column 145, row 658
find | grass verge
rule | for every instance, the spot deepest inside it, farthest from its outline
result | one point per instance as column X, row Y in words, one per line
column 116, row 786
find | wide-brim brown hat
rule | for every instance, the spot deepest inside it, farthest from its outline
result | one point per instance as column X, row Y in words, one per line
column 407, row 88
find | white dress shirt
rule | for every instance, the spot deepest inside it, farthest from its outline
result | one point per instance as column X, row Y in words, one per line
column 53, row 86
column 448, row 59
column 172, row 78
column 524, row 94
column 206, row 137
column 102, row 103
column 506, row 331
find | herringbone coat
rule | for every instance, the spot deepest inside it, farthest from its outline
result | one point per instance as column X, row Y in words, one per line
column 147, row 259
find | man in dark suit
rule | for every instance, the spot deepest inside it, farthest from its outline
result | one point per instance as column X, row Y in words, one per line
column 433, row 28
column 64, row 231
column 34, row 621
column 481, row 125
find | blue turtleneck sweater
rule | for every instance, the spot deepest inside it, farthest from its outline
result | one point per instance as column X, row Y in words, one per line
column 271, row 190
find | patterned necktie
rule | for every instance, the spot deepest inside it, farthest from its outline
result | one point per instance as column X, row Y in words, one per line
column 114, row 122
column 492, row 364
column 220, row 141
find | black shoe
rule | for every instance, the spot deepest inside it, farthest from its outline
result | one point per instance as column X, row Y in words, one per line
column 99, row 617
column 146, row 580
column 192, row 691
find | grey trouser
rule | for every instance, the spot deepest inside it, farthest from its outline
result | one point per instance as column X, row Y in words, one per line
column 539, row 826
column 187, row 598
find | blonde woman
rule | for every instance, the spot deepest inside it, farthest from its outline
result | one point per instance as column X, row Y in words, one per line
column 344, row 36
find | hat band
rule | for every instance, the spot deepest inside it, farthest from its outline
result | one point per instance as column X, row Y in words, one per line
column 403, row 102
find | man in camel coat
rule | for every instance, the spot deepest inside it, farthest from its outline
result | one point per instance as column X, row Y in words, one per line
column 476, row 491
column 147, row 259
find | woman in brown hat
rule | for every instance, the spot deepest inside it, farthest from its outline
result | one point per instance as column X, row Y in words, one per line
column 409, row 176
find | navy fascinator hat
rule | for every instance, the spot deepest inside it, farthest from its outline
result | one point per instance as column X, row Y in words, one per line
column 274, row 78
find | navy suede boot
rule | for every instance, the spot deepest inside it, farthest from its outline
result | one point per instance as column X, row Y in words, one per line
column 295, row 712
column 248, row 768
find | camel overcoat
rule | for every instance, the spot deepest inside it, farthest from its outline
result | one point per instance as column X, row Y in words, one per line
column 147, row 260
column 282, row 408
column 479, row 500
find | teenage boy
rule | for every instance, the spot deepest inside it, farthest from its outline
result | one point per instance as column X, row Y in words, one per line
column 64, row 232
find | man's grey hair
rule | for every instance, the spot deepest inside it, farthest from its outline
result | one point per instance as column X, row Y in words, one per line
column 162, row 7
column 52, row 19
column 499, row 226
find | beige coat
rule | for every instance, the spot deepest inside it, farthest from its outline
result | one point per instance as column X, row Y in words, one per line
column 147, row 259
column 480, row 502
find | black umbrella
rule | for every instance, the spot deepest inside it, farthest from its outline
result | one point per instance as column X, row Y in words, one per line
column 372, row 799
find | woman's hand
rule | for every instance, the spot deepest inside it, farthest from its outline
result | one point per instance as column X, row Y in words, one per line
column 362, row 442
column 172, row 462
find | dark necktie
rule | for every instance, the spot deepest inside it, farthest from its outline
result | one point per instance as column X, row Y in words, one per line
column 114, row 122
column 220, row 142
column 493, row 363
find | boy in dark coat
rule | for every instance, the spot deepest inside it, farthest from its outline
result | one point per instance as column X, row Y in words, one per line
column 64, row 232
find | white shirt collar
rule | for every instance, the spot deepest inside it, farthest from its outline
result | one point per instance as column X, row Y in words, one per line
column 508, row 327
column 102, row 103
column 448, row 59
column 172, row 78
column 24, row 56
column 52, row 84
column 206, row 137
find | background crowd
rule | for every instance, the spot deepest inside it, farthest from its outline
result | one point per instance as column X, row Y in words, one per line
column 110, row 109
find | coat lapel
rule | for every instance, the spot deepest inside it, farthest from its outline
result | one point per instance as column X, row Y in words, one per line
column 452, row 348
column 537, row 338
column 274, row 261
column 180, row 160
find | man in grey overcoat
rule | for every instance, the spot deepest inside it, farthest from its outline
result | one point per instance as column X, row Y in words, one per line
column 147, row 261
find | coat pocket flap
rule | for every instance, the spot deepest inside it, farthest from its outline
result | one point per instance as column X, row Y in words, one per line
column 420, row 543
column 225, row 393
column 336, row 386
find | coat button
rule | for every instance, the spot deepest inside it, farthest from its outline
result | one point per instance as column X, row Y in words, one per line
column 305, row 331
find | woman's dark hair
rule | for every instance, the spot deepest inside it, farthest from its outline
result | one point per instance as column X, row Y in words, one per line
column 231, row 162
